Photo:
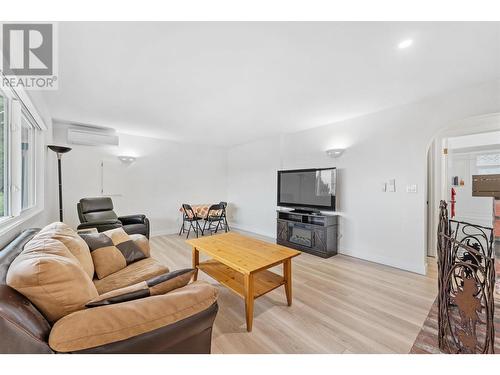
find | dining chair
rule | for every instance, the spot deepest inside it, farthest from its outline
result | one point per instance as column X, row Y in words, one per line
column 224, row 215
column 189, row 216
column 214, row 218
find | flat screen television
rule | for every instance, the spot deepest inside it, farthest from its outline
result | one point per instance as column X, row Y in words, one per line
column 308, row 189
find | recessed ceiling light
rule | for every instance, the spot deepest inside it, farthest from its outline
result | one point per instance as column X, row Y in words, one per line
column 405, row 44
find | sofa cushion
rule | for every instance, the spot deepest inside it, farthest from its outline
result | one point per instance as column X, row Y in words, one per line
column 75, row 244
column 112, row 251
column 143, row 243
column 51, row 278
column 106, row 324
column 132, row 274
column 157, row 285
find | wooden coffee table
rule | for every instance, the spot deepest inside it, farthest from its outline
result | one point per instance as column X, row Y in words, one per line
column 241, row 264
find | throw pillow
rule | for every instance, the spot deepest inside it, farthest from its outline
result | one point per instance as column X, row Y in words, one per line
column 157, row 285
column 112, row 251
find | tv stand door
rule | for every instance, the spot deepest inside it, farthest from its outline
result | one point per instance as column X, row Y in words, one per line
column 319, row 240
column 282, row 231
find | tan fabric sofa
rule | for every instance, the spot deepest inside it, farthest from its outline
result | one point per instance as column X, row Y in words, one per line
column 54, row 272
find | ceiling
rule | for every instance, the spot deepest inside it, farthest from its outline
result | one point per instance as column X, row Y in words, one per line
column 229, row 83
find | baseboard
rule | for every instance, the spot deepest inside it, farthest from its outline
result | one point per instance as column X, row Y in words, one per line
column 252, row 230
column 420, row 269
column 164, row 232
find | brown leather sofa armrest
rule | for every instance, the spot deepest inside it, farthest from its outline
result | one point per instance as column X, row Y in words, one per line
column 23, row 329
column 95, row 327
column 143, row 243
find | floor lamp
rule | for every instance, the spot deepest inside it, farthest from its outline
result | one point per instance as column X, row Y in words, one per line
column 59, row 150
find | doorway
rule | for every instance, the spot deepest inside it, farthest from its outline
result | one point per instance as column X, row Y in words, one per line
column 469, row 148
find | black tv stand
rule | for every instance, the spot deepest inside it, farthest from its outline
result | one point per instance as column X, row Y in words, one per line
column 313, row 233
column 305, row 211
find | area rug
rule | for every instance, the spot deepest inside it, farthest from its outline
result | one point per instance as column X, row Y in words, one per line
column 427, row 339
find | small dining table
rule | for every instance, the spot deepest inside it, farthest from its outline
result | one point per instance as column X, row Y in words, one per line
column 200, row 210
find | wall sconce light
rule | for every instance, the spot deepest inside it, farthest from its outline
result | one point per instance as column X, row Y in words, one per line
column 126, row 159
column 335, row 152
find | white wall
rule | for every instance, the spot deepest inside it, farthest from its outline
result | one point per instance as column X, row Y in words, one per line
column 165, row 175
column 252, row 186
column 388, row 228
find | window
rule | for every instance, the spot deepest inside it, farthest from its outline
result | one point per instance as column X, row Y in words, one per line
column 3, row 156
column 20, row 148
column 27, row 163
column 488, row 163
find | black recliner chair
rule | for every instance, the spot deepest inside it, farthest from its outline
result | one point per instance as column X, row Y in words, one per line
column 98, row 213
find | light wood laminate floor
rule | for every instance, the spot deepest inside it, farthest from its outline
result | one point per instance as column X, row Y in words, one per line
column 340, row 305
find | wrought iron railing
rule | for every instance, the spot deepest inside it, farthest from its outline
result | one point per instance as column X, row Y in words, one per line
column 466, row 284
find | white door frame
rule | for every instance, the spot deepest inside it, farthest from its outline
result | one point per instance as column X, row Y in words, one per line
column 438, row 175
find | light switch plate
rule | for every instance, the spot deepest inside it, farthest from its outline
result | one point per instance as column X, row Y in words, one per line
column 392, row 186
column 411, row 188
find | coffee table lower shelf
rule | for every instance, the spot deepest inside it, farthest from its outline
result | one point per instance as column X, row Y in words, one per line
column 264, row 281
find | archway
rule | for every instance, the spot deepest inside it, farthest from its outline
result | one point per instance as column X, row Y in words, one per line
column 438, row 159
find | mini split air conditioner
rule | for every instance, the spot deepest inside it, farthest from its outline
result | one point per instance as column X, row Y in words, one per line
column 92, row 137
